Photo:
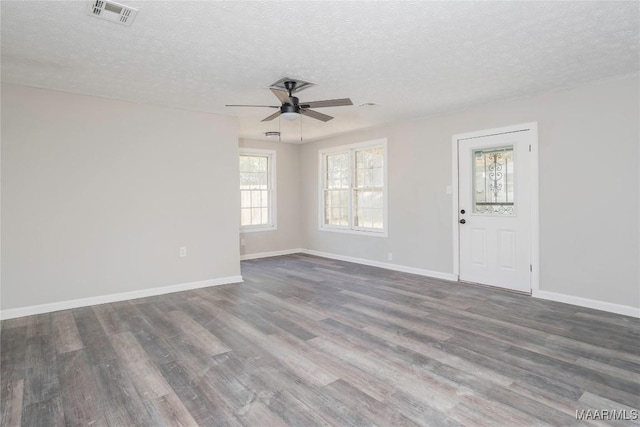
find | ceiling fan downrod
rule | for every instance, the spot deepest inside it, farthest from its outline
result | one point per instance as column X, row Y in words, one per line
column 290, row 86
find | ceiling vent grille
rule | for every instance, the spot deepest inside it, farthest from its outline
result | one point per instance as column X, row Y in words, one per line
column 112, row 11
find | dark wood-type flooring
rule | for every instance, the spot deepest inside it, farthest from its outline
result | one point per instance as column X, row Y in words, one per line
column 309, row 341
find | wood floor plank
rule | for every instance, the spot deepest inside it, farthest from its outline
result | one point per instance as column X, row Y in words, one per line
column 564, row 380
column 42, row 382
column 44, row 413
column 283, row 352
column 11, row 406
column 186, row 388
column 293, row 412
column 475, row 352
column 149, row 337
column 95, row 341
column 122, row 404
column 113, row 317
column 440, row 395
column 65, row 332
column 81, row 399
column 16, row 322
column 256, row 413
column 172, row 410
column 419, row 410
column 441, row 356
column 39, row 325
column 370, row 408
column 13, row 346
column 310, row 341
column 197, row 335
column 153, row 315
column 296, row 305
column 143, row 373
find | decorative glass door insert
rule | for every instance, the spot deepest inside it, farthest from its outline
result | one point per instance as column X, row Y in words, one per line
column 493, row 186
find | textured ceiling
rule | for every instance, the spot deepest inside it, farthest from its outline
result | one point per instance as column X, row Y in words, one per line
column 411, row 58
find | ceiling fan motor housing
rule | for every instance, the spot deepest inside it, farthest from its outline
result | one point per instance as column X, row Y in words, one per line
column 290, row 112
column 290, row 108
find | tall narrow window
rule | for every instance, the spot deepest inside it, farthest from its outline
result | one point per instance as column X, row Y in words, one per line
column 257, row 190
column 336, row 193
column 353, row 190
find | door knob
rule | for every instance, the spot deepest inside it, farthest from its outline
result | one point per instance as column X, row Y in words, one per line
column 462, row 221
column 462, row 211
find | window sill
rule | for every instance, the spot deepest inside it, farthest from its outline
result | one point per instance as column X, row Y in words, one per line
column 366, row 233
column 258, row 229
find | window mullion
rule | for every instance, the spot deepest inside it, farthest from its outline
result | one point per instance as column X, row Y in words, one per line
column 325, row 168
column 270, row 219
column 352, row 183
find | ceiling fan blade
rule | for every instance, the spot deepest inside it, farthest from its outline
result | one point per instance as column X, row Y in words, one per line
column 315, row 115
column 282, row 95
column 327, row 103
column 242, row 105
column 271, row 117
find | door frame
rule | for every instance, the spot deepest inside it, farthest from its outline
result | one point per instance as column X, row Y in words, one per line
column 534, row 237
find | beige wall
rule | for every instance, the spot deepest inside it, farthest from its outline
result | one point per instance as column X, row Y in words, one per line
column 98, row 195
column 589, row 196
column 288, row 234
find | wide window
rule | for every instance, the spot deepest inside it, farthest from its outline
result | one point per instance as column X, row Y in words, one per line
column 353, row 188
column 257, row 190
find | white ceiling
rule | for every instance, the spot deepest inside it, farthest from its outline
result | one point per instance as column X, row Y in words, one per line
column 411, row 58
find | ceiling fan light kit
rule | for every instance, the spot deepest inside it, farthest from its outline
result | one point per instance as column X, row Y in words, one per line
column 290, row 116
column 289, row 111
column 291, row 108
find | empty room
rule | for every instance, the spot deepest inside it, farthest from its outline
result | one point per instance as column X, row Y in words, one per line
column 320, row 213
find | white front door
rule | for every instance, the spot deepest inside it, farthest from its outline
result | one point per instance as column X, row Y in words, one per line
column 494, row 209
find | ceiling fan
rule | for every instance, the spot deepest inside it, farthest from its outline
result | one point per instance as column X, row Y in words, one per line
column 291, row 107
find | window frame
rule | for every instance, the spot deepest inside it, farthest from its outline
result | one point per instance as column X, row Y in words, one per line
column 351, row 149
column 271, row 187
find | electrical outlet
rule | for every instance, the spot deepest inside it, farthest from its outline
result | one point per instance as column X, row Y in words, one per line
column 183, row 251
column 390, row 256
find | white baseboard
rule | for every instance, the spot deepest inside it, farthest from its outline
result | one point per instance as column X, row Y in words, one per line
column 589, row 303
column 270, row 254
column 394, row 267
column 103, row 299
column 552, row 296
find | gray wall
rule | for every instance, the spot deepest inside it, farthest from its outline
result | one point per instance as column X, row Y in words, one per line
column 98, row 195
column 289, row 233
column 589, row 196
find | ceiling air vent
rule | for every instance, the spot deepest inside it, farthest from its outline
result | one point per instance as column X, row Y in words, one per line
column 112, row 11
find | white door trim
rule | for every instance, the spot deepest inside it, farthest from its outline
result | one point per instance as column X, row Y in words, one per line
column 534, row 191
